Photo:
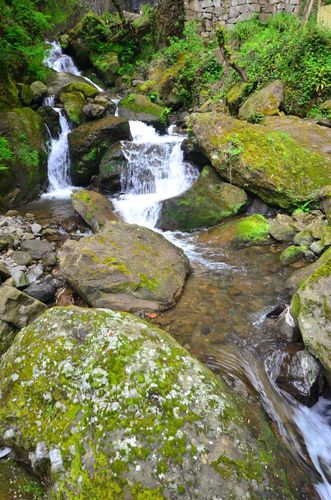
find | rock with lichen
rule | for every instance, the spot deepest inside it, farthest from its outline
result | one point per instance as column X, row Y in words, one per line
column 263, row 102
column 102, row 404
column 311, row 308
column 125, row 267
column 285, row 161
column 95, row 208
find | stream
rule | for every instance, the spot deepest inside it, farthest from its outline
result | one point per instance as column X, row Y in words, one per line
column 221, row 316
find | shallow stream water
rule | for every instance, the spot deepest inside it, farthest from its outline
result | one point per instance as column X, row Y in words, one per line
column 221, row 315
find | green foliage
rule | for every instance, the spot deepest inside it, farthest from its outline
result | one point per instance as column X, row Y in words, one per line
column 281, row 48
column 198, row 65
column 5, row 153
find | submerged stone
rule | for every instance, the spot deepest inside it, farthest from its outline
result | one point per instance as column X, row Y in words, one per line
column 125, row 267
column 132, row 415
column 208, row 202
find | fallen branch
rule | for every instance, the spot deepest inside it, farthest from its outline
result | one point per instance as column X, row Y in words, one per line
column 226, row 53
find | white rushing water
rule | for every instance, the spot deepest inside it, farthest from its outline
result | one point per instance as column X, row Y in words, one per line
column 156, row 171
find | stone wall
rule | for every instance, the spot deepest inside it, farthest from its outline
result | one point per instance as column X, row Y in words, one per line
column 207, row 12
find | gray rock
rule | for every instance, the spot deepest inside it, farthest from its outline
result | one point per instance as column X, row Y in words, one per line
column 35, row 228
column 125, row 267
column 22, row 258
column 93, row 111
column 37, row 248
column 17, row 308
column 34, row 273
column 282, row 228
column 19, row 277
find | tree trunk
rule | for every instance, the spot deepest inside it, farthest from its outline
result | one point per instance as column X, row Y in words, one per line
column 226, row 53
column 307, row 11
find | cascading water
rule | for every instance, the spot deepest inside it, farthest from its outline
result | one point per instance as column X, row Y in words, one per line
column 58, row 61
column 156, row 171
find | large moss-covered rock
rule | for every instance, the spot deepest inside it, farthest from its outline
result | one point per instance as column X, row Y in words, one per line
column 106, row 66
column 82, row 87
column 59, row 80
column 208, row 202
column 103, row 405
column 9, row 95
column 94, row 208
column 245, row 231
column 285, row 161
column 125, row 267
column 139, row 107
column 89, row 142
column 311, row 307
column 266, row 102
column 23, row 157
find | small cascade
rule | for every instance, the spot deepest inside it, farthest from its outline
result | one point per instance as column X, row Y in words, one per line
column 156, row 172
column 58, row 165
column 61, row 62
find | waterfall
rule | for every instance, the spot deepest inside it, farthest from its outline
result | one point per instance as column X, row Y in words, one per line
column 60, row 62
column 156, row 171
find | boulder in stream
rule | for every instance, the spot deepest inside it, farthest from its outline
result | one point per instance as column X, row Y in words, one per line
column 95, row 208
column 139, row 107
column 125, row 267
column 100, row 401
column 263, row 102
column 241, row 232
column 285, row 161
column 208, row 202
column 89, row 142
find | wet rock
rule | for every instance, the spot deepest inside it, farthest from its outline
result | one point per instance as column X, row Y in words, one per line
column 139, row 107
column 264, row 102
column 7, row 335
column 45, row 290
column 17, row 308
column 95, row 208
column 193, row 153
column 298, row 373
column 257, row 206
column 125, row 267
column 19, row 277
column 87, row 365
column 293, row 254
column 283, row 228
column 34, row 273
column 208, row 202
column 303, row 238
column 52, row 120
column 112, row 166
column 245, row 231
column 106, row 66
column 89, row 142
column 37, row 248
column 35, row 228
column 285, row 161
column 73, row 103
column 311, row 308
column 59, row 80
column 283, row 325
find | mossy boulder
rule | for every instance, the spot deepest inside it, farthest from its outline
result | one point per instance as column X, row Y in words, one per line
column 23, row 157
column 94, row 208
column 52, row 119
column 208, row 202
column 106, row 66
column 82, row 87
column 73, row 103
column 38, row 91
column 17, row 482
column 89, row 142
column 125, row 267
column 264, row 102
column 311, row 308
column 9, row 94
column 285, row 161
column 245, row 231
column 59, row 80
column 101, row 404
column 293, row 254
column 139, row 107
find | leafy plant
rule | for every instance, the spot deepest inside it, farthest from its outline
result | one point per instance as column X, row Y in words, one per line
column 6, row 153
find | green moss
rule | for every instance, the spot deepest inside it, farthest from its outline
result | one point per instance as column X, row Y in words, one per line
column 141, row 104
column 81, row 87
column 150, row 283
column 292, row 254
column 73, row 103
column 253, row 229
